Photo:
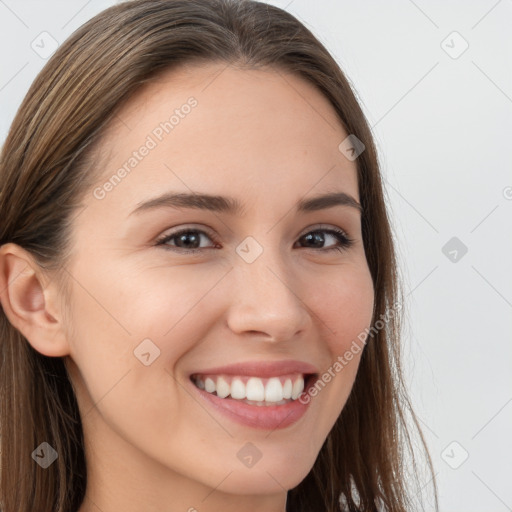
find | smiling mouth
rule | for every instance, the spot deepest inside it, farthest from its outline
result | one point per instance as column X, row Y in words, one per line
column 254, row 390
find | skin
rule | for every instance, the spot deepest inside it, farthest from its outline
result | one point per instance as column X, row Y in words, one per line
column 268, row 139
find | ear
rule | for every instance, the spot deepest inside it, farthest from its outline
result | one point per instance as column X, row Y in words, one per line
column 30, row 301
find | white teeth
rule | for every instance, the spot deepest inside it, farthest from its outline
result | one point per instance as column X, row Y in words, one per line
column 237, row 389
column 287, row 388
column 253, row 389
column 209, row 385
column 273, row 390
column 298, row 387
column 223, row 388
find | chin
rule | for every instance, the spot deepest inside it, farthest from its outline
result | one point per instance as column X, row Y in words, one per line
column 269, row 478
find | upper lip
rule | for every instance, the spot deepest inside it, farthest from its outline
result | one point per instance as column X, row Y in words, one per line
column 261, row 368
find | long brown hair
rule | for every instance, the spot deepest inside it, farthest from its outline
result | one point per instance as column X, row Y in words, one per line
column 47, row 164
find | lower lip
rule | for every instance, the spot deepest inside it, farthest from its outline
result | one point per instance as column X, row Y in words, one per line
column 268, row 417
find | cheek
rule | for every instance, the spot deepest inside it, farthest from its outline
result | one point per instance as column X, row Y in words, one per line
column 120, row 315
column 343, row 308
column 114, row 315
column 120, row 303
column 342, row 303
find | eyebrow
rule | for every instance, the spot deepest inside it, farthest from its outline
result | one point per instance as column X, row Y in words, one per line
column 221, row 204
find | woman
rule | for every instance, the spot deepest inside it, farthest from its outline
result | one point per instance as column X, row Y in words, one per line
column 170, row 339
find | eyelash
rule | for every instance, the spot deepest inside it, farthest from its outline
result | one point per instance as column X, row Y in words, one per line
column 345, row 241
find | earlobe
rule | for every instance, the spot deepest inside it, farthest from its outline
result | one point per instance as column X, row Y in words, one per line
column 28, row 299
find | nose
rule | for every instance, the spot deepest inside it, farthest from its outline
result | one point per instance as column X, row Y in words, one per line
column 264, row 300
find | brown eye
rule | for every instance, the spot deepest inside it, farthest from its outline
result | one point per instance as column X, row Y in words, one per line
column 186, row 240
column 318, row 238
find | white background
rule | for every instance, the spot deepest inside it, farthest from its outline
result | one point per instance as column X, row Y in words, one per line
column 443, row 127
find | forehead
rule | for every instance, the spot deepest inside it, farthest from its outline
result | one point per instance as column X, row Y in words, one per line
column 258, row 132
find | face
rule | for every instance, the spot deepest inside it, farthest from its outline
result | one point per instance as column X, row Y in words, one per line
column 172, row 289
